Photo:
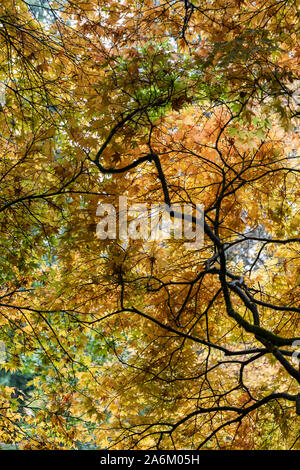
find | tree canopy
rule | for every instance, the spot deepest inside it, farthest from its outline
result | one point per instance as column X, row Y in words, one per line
column 139, row 344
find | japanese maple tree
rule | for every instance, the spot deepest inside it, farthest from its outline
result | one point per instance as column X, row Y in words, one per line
column 135, row 343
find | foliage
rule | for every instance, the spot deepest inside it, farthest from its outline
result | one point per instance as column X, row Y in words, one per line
column 138, row 344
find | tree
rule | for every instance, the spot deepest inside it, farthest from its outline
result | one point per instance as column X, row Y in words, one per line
column 138, row 344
